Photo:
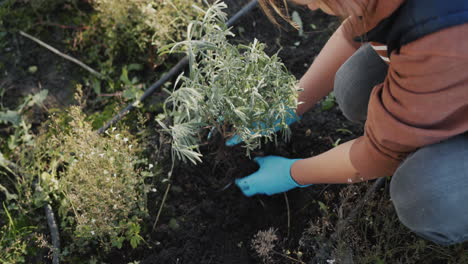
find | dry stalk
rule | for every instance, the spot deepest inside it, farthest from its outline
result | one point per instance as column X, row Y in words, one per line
column 289, row 212
column 65, row 56
column 288, row 257
column 164, row 197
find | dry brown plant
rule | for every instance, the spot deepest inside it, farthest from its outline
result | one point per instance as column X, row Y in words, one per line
column 264, row 243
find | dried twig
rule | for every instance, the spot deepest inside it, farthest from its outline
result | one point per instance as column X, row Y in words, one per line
column 288, row 257
column 161, row 207
column 117, row 94
column 63, row 26
column 289, row 212
column 54, row 50
column 164, row 197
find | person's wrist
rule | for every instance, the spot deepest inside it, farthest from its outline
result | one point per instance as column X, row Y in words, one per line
column 294, row 172
column 301, row 109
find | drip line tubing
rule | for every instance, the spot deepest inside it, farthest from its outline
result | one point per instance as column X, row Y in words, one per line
column 174, row 71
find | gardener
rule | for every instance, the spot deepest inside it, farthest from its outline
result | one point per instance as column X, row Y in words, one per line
column 409, row 84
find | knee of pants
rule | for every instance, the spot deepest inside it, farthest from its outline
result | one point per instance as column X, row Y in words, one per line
column 355, row 80
column 429, row 191
column 346, row 97
column 346, row 107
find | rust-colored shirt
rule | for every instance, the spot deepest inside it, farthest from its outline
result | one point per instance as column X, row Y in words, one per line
column 423, row 100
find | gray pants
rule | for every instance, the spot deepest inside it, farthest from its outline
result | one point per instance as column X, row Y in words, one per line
column 430, row 188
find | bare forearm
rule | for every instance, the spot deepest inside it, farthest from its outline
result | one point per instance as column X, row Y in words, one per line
column 318, row 81
column 333, row 166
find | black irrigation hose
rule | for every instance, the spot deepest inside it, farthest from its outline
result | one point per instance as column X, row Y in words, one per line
column 175, row 70
column 54, row 233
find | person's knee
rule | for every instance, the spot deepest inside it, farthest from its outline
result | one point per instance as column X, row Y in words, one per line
column 426, row 222
column 344, row 96
column 431, row 216
column 429, row 192
column 355, row 80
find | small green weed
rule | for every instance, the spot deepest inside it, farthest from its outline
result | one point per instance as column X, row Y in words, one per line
column 19, row 126
column 329, row 102
column 15, row 240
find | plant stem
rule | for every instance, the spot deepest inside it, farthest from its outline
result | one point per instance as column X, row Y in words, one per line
column 164, row 197
column 161, row 207
column 118, row 94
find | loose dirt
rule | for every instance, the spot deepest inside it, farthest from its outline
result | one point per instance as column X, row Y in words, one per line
column 206, row 218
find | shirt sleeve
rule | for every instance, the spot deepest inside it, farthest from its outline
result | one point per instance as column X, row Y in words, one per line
column 423, row 100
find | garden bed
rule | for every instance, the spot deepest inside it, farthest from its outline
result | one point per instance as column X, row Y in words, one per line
column 205, row 218
column 215, row 222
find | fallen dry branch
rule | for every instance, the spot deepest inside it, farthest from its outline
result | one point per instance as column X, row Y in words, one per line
column 65, row 56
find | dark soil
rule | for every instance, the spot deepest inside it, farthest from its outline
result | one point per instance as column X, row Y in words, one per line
column 53, row 73
column 216, row 225
column 206, row 218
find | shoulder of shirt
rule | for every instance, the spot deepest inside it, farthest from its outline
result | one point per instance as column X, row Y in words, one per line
column 449, row 42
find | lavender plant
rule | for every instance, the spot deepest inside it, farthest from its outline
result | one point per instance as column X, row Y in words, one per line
column 231, row 89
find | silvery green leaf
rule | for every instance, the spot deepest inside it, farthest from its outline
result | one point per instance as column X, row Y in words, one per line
column 38, row 98
column 12, row 117
column 192, row 156
column 241, row 83
column 296, row 18
column 9, row 196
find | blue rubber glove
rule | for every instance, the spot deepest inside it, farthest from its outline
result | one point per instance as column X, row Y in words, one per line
column 292, row 117
column 273, row 177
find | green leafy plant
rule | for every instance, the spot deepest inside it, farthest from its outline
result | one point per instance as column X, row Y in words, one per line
column 125, row 32
column 132, row 88
column 14, row 240
column 231, row 89
column 18, row 123
column 97, row 182
column 102, row 188
column 329, row 102
column 17, row 135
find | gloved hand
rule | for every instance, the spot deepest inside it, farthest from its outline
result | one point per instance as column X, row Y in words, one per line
column 273, row 177
column 292, row 117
